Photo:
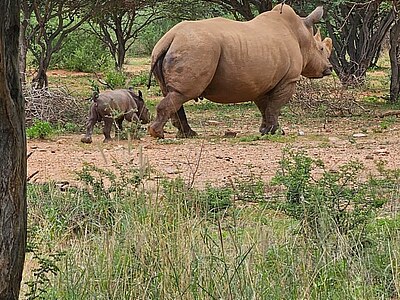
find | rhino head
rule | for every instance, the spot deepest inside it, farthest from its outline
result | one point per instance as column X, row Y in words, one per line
column 143, row 112
column 317, row 62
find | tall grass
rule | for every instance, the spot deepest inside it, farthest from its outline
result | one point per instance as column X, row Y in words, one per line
column 124, row 236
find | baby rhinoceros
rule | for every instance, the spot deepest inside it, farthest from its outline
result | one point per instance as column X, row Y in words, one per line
column 115, row 106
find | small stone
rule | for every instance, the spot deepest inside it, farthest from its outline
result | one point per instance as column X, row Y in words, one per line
column 301, row 133
column 359, row 135
column 213, row 122
column 230, row 133
column 382, row 152
column 370, row 156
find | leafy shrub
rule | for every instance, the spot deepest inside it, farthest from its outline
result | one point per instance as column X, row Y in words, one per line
column 141, row 79
column 82, row 51
column 327, row 201
column 39, row 130
column 115, row 79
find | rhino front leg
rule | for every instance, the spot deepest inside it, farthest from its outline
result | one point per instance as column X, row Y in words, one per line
column 108, row 122
column 270, row 107
column 179, row 120
column 165, row 109
column 89, row 129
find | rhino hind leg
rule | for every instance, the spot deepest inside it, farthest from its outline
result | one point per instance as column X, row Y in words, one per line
column 179, row 120
column 168, row 106
column 108, row 122
column 119, row 123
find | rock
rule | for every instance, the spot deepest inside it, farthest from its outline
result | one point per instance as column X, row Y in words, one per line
column 359, row 135
column 382, row 152
column 230, row 133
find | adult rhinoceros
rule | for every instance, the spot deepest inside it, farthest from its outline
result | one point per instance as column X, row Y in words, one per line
column 228, row 61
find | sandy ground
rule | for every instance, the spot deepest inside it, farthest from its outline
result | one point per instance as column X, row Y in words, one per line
column 215, row 159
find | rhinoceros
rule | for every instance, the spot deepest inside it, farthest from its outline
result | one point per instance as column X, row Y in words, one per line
column 227, row 61
column 115, row 106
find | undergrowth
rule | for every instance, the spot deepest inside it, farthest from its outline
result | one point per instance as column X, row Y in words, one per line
column 321, row 234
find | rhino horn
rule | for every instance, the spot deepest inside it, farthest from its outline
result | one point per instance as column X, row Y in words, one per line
column 317, row 36
column 314, row 17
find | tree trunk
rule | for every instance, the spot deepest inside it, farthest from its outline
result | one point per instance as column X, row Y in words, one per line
column 23, row 50
column 13, row 156
column 394, row 54
column 120, row 57
column 40, row 80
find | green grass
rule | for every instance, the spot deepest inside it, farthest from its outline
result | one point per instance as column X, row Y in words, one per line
column 123, row 236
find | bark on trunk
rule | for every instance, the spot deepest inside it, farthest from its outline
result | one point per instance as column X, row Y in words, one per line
column 13, row 155
column 23, row 50
column 394, row 54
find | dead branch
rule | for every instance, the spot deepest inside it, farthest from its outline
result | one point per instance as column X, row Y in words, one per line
column 389, row 113
column 55, row 105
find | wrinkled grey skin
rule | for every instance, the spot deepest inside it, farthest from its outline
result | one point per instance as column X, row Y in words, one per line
column 227, row 61
column 115, row 106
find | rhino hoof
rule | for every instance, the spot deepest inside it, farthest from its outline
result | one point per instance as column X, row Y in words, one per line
column 86, row 140
column 189, row 134
column 154, row 133
column 271, row 129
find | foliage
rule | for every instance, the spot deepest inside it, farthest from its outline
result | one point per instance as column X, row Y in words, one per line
column 127, row 237
column 39, row 130
column 326, row 201
column 83, row 52
column 47, row 266
column 141, row 79
column 115, row 79
column 150, row 35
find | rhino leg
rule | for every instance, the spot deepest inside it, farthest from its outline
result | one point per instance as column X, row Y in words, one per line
column 119, row 123
column 165, row 109
column 90, row 125
column 270, row 107
column 108, row 122
column 179, row 120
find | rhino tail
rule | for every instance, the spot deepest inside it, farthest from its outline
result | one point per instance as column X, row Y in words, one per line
column 159, row 52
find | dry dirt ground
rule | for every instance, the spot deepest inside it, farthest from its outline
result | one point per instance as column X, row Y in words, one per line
column 217, row 159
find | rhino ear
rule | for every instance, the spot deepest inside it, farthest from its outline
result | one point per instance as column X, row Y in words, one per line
column 95, row 95
column 314, row 17
column 328, row 44
column 140, row 94
column 317, row 36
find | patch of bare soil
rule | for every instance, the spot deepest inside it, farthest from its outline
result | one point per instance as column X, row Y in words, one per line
column 215, row 159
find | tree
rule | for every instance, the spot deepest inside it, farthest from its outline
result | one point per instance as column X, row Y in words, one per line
column 53, row 21
column 118, row 24
column 245, row 9
column 394, row 54
column 357, row 30
column 13, row 156
column 26, row 11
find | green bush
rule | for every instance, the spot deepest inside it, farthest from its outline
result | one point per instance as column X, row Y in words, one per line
column 115, row 79
column 82, row 51
column 327, row 202
column 40, row 130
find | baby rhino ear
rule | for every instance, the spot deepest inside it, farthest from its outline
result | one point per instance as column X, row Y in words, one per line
column 328, row 44
column 95, row 95
column 317, row 36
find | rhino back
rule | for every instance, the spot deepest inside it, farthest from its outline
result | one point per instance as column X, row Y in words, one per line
column 231, row 61
column 119, row 100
